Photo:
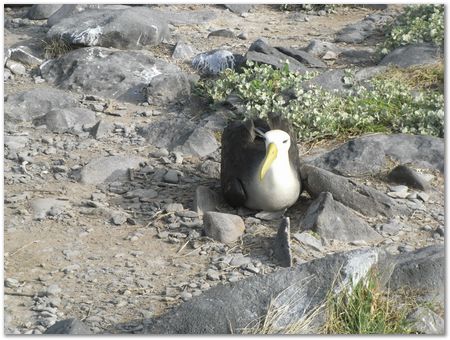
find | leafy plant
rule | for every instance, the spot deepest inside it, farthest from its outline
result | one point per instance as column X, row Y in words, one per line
column 419, row 23
column 386, row 105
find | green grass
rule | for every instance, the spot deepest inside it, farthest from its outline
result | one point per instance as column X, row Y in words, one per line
column 366, row 309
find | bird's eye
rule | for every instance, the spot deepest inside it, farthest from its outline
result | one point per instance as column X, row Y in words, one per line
column 285, row 141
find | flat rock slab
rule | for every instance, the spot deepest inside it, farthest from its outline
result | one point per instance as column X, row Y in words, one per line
column 108, row 169
column 229, row 308
column 412, row 55
column 62, row 120
column 361, row 198
column 105, row 72
column 333, row 220
column 130, row 28
column 31, row 104
column 367, row 155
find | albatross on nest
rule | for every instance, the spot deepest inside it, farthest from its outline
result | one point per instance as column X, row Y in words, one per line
column 260, row 167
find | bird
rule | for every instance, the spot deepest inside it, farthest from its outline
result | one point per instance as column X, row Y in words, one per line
column 260, row 166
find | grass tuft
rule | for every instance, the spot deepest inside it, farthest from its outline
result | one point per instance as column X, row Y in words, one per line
column 56, row 47
column 366, row 309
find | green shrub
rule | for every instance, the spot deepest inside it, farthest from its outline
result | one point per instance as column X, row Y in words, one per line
column 419, row 23
column 388, row 105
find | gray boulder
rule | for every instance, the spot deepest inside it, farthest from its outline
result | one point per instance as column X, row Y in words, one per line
column 15, row 142
column 16, row 68
column 361, row 198
column 205, row 200
column 367, row 155
column 43, row 207
column 319, row 48
column 331, row 80
column 239, row 8
column 299, row 290
column 108, row 169
column 261, row 52
column 101, row 130
column 183, row 51
column 69, row 326
column 422, row 270
column 130, row 28
column 27, row 105
column 425, row 321
column 333, row 220
column 224, row 33
column 190, row 17
column 357, row 157
column 366, row 57
column 216, row 61
column 168, row 88
column 122, row 75
column 303, row 57
column 411, row 55
column 62, row 120
column 29, row 52
column 200, row 143
column 69, row 10
column 41, row 11
column 356, row 33
column 402, row 174
column 167, row 133
column 222, row 227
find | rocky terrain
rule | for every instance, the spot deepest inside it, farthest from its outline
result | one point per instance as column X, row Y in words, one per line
column 112, row 207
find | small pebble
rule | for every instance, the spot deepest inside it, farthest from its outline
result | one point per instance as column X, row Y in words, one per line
column 186, row 296
column 12, row 283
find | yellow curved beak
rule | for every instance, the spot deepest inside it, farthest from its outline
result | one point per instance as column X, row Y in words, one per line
column 271, row 154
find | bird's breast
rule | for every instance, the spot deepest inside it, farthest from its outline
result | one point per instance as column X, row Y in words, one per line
column 279, row 189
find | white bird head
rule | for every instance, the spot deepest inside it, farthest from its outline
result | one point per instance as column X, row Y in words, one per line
column 278, row 143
